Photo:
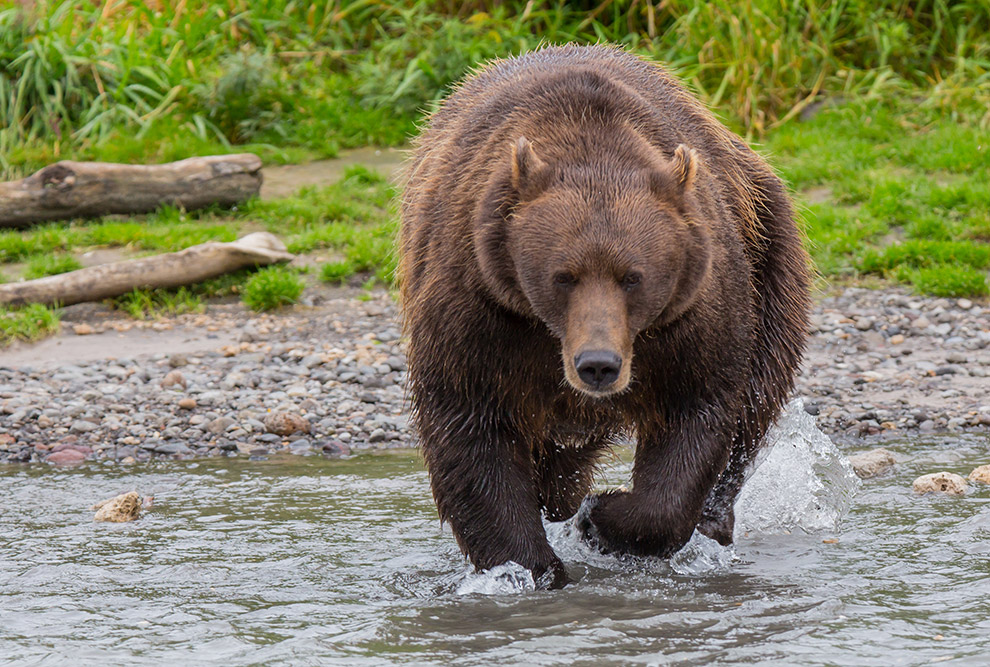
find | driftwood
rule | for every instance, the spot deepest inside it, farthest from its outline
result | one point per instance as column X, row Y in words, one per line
column 80, row 189
column 192, row 265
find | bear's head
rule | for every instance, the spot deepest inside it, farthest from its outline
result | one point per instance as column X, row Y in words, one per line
column 599, row 252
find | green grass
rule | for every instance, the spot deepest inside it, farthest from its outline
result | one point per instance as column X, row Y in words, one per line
column 124, row 82
column 144, row 304
column 50, row 264
column 129, row 81
column 161, row 232
column 336, row 272
column 945, row 280
column 354, row 219
column 28, row 323
column 907, row 194
column 272, row 287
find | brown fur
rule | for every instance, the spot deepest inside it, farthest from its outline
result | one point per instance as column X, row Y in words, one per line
column 578, row 201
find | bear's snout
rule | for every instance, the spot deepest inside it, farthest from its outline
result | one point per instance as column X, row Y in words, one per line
column 599, row 369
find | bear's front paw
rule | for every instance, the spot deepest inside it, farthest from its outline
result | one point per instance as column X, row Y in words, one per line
column 623, row 522
column 718, row 527
column 594, row 520
column 553, row 578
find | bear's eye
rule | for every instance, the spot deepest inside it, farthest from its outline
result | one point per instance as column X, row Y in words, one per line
column 564, row 279
column 631, row 280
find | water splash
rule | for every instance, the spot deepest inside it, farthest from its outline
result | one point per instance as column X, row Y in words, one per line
column 800, row 481
column 702, row 556
column 505, row 579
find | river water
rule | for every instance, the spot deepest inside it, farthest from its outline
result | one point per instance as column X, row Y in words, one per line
column 311, row 561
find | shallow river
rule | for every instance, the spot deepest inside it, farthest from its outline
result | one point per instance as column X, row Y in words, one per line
column 310, row 561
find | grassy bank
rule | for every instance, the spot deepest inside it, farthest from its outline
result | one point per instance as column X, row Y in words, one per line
column 129, row 80
column 893, row 193
column 884, row 191
column 344, row 230
column 876, row 113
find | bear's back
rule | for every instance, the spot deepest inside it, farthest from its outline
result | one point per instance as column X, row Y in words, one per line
column 550, row 81
column 544, row 95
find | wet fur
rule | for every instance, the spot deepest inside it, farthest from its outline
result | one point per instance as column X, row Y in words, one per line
column 504, row 434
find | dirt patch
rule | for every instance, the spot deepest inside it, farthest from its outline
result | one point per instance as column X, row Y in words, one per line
column 286, row 180
column 69, row 348
column 818, row 195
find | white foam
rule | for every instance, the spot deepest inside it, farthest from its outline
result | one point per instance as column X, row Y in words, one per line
column 702, row 556
column 505, row 579
column 800, row 481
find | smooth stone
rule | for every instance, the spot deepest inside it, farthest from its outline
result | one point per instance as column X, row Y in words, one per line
column 219, row 425
column 172, row 448
column 82, row 426
column 122, row 508
column 872, row 463
column 285, row 423
column 335, row 448
column 66, row 457
column 981, row 474
column 940, row 482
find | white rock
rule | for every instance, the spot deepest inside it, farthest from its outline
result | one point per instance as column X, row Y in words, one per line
column 872, row 463
column 981, row 474
column 940, row 482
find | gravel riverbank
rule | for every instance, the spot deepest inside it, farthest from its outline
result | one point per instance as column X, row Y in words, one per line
column 329, row 379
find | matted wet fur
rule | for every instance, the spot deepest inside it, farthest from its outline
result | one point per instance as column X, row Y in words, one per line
column 587, row 251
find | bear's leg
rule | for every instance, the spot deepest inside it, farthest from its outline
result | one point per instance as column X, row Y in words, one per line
column 564, row 475
column 718, row 518
column 676, row 467
column 481, row 471
column 782, row 284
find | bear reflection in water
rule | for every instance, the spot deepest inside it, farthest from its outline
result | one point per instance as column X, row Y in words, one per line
column 587, row 252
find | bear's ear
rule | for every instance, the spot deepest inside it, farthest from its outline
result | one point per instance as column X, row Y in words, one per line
column 684, row 167
column 676, row 177
column 527, row 167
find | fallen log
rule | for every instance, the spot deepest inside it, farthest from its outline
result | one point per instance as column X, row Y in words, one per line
column 192, row 265
column 81, row 189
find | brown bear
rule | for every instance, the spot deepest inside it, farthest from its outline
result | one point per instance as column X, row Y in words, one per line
column 587, row 253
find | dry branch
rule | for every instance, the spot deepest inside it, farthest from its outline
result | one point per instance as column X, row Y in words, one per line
column 192, row 265
column 81, row 189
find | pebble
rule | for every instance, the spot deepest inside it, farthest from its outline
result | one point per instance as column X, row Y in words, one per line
column 872, row 463
column 82, row 426
column 874, row 368
column 66, row 457
column 173, row 379
column 940, row 482
column 219, row 425
column 981, row 474
column 335, row 448
column 173, row 448
column 122, row 508
column 285, row 423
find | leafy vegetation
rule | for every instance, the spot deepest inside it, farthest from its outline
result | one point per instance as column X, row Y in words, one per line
column 272, row 287
column 50, row 264
column 876, row 113
column 28, row 323
column 156, row 81
column 144, row 304
column 894, row 191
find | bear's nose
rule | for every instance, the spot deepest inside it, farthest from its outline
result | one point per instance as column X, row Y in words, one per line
column 598, row 368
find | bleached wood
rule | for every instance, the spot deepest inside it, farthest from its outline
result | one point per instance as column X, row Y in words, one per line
column 83, row 189
column 192, row 265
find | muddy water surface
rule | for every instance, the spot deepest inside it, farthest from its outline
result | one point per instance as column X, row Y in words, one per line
column 311, row 561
